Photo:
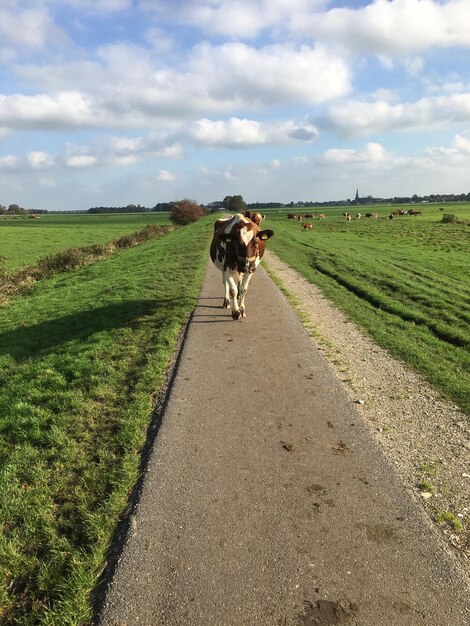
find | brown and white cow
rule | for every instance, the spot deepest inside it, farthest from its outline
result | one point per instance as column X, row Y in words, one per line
column 237, row 248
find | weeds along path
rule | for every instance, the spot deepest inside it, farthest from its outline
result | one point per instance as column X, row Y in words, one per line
column 266, row 500
column 83, row 359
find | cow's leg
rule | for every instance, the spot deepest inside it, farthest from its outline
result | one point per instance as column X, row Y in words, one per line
column 226, row 303
column 231, row 282
column 242, row 289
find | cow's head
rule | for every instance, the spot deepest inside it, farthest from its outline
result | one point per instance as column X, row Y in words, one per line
column 248, row 242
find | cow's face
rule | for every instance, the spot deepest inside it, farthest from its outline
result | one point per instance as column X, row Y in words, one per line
column 248, row 241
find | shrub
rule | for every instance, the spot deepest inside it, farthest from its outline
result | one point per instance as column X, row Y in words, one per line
column 448, row 218
column 186, row 211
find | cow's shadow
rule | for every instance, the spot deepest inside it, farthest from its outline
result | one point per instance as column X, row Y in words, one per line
column 32, row 341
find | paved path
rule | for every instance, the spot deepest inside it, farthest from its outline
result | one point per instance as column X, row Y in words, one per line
column 266, row 502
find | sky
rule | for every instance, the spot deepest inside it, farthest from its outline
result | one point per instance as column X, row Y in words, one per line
column 117, row 102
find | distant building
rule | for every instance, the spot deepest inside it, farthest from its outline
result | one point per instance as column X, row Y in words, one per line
column 356, row 199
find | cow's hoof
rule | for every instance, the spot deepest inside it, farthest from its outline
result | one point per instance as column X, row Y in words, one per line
column 242, row 312
column 226, row 304
column 236, row 315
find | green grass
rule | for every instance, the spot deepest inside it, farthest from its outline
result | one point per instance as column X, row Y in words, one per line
column 405, row 281
column 449, row 518
column 82, row 359
column 24, row 241
column 425, row 485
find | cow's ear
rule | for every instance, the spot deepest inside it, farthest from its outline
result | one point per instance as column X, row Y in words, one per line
column 227, row 237
column 265, row 234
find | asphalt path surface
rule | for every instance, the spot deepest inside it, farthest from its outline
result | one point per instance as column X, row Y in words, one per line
column 265, row 499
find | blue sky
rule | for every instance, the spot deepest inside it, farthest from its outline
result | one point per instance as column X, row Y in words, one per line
column 112, row 102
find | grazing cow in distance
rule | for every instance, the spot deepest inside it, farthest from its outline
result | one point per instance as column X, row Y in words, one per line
column 321, row 216
column 307, row 226
column 358, row 216
column 236, row 249
column 292, row 216
column 374, row 215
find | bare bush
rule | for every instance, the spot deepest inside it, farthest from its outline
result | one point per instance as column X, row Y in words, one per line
column 186, row 211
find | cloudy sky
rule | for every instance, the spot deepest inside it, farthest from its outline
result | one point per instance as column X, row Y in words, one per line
column 112, row 102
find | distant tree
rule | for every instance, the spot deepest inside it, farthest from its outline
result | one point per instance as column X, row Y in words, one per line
column 234, row 203
column 15, row 209
column 163, row 206
column 186, row 211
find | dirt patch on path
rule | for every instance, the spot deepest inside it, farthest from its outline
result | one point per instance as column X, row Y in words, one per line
column 427, row 437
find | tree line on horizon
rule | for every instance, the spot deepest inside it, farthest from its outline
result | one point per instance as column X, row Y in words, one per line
column 16, row 209
column 237, row 203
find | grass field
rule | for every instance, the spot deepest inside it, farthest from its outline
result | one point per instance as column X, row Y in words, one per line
column 24, row 241
column 406, row 281
column 82, row 359
column 84, row 355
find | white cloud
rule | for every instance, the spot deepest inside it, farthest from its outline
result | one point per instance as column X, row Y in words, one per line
column 381, row 27
column 414, row 66
column 8, row 162
column 166, row 176
column 242, row 133
column 80, row 160
column 356, row 117
column 445, row 84
column 462, row 144
column 372, row 153
column 66, row 109
column 395, row 27
column 40, row 160
column 235, row 18
column 277, row 74
column 385, row 95
column 160, row 40
column 23, row 31
column 126, row 88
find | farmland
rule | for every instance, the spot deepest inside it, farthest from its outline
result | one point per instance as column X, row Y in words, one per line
column 24, row 241
column 405, row 281
column 83, row 357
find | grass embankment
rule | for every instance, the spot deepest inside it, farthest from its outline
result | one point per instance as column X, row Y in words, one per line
column 24, row 241
column 21, row 281
column 81, row 360
column 406, row 281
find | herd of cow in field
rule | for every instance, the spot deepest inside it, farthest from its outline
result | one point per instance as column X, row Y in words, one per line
column 348, row 216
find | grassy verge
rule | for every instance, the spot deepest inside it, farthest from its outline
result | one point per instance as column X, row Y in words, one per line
column 81, row 360
column 24, row 241
column 12, row 283
column 405, row 282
